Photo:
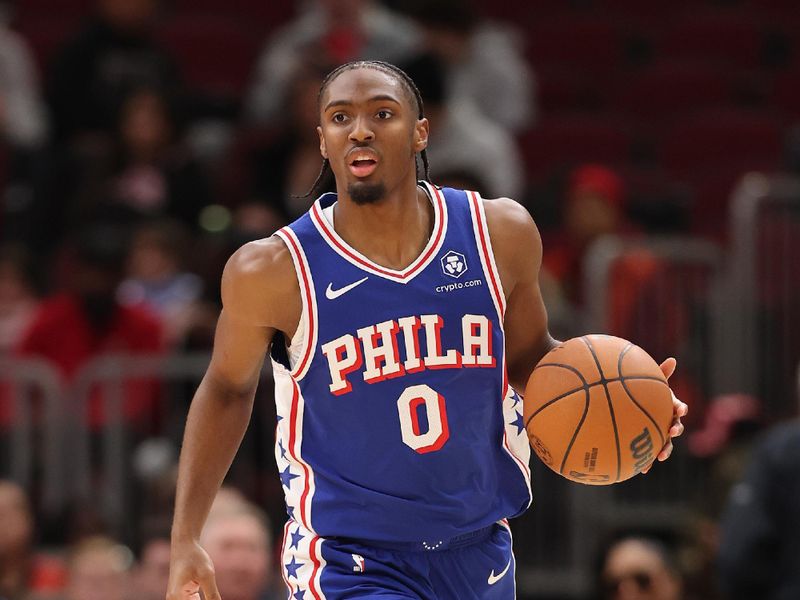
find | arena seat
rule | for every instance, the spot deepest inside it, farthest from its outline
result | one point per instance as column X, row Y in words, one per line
column 215, row 54
column 721, row 36
column 560, row 141
column 672, row 88
column 591, row 44
column 717, row 138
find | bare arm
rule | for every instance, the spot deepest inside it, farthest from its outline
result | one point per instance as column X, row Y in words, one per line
column 259, row 294
column 518, row 253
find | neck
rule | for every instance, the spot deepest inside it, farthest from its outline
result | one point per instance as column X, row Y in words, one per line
column 391, row 232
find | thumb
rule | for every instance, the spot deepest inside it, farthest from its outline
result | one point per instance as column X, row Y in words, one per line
column 668, row 367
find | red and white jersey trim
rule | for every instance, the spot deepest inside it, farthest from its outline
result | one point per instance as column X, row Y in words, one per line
column 515, row 444
column 290, row 406
column 484, row 243
column 308, row 318
column 362, row 262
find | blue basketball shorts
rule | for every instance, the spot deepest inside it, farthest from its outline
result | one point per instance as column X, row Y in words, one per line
column 479, row 565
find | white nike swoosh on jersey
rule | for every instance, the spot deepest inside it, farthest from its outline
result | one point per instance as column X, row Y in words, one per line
column 332, row 294
column 495, row 578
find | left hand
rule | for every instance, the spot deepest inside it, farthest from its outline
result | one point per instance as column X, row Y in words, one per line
column 679, row 409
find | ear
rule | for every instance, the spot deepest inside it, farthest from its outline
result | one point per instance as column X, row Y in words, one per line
column 322, row 148
column 421, row 130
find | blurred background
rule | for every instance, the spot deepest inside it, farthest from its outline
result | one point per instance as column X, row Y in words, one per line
column 656, row 144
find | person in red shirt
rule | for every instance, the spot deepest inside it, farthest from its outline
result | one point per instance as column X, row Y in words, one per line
column 86, row 321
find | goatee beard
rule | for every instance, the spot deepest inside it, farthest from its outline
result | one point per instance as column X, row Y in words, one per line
column 366, row 193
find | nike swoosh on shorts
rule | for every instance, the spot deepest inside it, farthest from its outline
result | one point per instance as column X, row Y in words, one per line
column 495, row 578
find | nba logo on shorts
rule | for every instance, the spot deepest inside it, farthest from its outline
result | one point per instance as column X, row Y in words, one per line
column 359, row 560
column 454, row 264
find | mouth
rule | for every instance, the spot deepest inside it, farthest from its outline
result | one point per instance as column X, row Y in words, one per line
column 362, row 162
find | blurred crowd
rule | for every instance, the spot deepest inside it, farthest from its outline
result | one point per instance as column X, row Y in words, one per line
column 143, row 141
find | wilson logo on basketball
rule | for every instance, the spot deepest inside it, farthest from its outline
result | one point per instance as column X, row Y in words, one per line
column 642, row 450
column 454, row 264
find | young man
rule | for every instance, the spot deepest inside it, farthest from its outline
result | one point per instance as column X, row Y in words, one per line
column 397, row 314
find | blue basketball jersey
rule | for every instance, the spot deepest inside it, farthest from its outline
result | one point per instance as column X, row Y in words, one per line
column 396, row 422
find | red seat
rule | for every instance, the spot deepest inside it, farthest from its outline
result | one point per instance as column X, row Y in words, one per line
column 215, row 54
column 260, row 14
column 718, row 139
column 735, row 39
column 522, row 12
column 585, row 44
column 785, row 92
column 46, row 35
column 672, row 88
column 562, row 89
column 68, row 10
column 558, row 142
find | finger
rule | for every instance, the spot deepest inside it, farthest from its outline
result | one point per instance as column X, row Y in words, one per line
column 190, row 591
column 676, row 429
column 681, row 409
column 209, row 586
column 668, row 367
column 665, row 451
column 647, row 468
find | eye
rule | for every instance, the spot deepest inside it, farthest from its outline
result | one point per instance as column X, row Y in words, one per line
column 339, row 117
column 384, row 114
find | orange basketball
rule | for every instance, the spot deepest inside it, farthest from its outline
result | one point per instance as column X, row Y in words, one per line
column 597, row 409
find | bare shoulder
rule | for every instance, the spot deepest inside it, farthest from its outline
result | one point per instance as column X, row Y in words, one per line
column 515, row 239
column 259, row 285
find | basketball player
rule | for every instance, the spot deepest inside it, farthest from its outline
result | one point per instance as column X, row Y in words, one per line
column 400, row 318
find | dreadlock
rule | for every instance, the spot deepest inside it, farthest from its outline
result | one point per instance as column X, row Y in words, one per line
column 325, row 172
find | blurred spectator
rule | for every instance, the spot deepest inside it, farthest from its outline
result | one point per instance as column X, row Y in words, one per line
column 759, row 552
column 640, row 568
column 152, row 573
column 98, row 569
column 157, row 279
column 335, row 31
column 23, row 133
column 149, row 171
column 113, row 54
column 18, row 295
column 284, row 169
column 23, row 121
column 484, row 61
column 237, row 538
column 86, row 320
column 594, row 206
column 24, row 575
column 462, row 139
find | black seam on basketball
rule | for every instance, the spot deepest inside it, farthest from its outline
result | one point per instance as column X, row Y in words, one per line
column 608, row 399
column 553, row 401
column 577, row 429
column 584, row 387
column 630, row 395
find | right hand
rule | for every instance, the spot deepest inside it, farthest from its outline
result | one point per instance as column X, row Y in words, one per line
column 190, row 572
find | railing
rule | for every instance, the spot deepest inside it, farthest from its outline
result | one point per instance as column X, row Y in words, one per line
column 31, row 391
column 764, row 301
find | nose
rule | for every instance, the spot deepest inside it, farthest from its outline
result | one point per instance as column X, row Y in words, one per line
column 361, row 131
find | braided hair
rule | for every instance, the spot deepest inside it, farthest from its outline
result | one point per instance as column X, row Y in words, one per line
column 325, row 173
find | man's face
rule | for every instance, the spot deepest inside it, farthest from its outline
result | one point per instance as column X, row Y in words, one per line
column 153, row 572
column 370, row 133
column 635, row 571
column 239, row 549
column 97, row 575
column 16, row 528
